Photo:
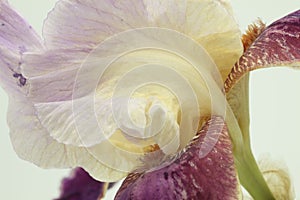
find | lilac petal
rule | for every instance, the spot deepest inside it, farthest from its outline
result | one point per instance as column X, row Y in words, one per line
column 190, row 176
column 30, row 140
column 81, row 186
column 278, row 45
column 48, row 61
column 51, row 74
column 16, row 37
column 16, row 32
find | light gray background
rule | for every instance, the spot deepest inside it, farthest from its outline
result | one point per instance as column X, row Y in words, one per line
column 275, row 110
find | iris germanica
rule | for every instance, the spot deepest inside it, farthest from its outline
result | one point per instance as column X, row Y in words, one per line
column 143, row 89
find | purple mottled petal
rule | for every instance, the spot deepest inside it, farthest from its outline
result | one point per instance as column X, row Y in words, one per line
column 278, row 45
column 16, row 37
column 81, row 186
column 190, row 176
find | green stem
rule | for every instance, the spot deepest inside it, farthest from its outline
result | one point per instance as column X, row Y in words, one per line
column 249, row 174
column 251, row 177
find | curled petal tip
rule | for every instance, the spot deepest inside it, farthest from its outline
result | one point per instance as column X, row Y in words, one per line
column 277, row 177
column 277, row 45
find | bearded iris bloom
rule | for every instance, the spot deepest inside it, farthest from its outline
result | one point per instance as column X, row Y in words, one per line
column 90, row 52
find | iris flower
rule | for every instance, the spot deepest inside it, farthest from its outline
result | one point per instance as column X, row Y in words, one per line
column 143, row 90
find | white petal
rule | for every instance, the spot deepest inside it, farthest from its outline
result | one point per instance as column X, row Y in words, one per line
column 226, row 4
column 59, row 120
column 76, row 126
column 85, row 123
column 85, row 24
column 58, row 82
column 80, row 122
column 207, row 17
column 224, row 52
column 69, row 26
column 171, row 60
column 33, row 143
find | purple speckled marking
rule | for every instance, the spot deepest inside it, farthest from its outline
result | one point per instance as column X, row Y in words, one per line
column 81, row 186
column 278, row 45
column 190, row 176
column 21, row 79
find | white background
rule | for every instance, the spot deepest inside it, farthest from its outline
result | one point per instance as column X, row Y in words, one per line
column 275, row 110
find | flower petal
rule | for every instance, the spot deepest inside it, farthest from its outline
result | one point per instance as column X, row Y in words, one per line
column 35, row 64
column 55, row 84
column 111, row 78
column 85, row 24
column 51, row 74
column 278, row 45
column 224, row 52
column 190, row 176
column 277, row 176
column 81, row 186
column 15, row 31
column 238, row 96
column 77, row 123
column 33, row 143
column 16, row 37
column 59, row 119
